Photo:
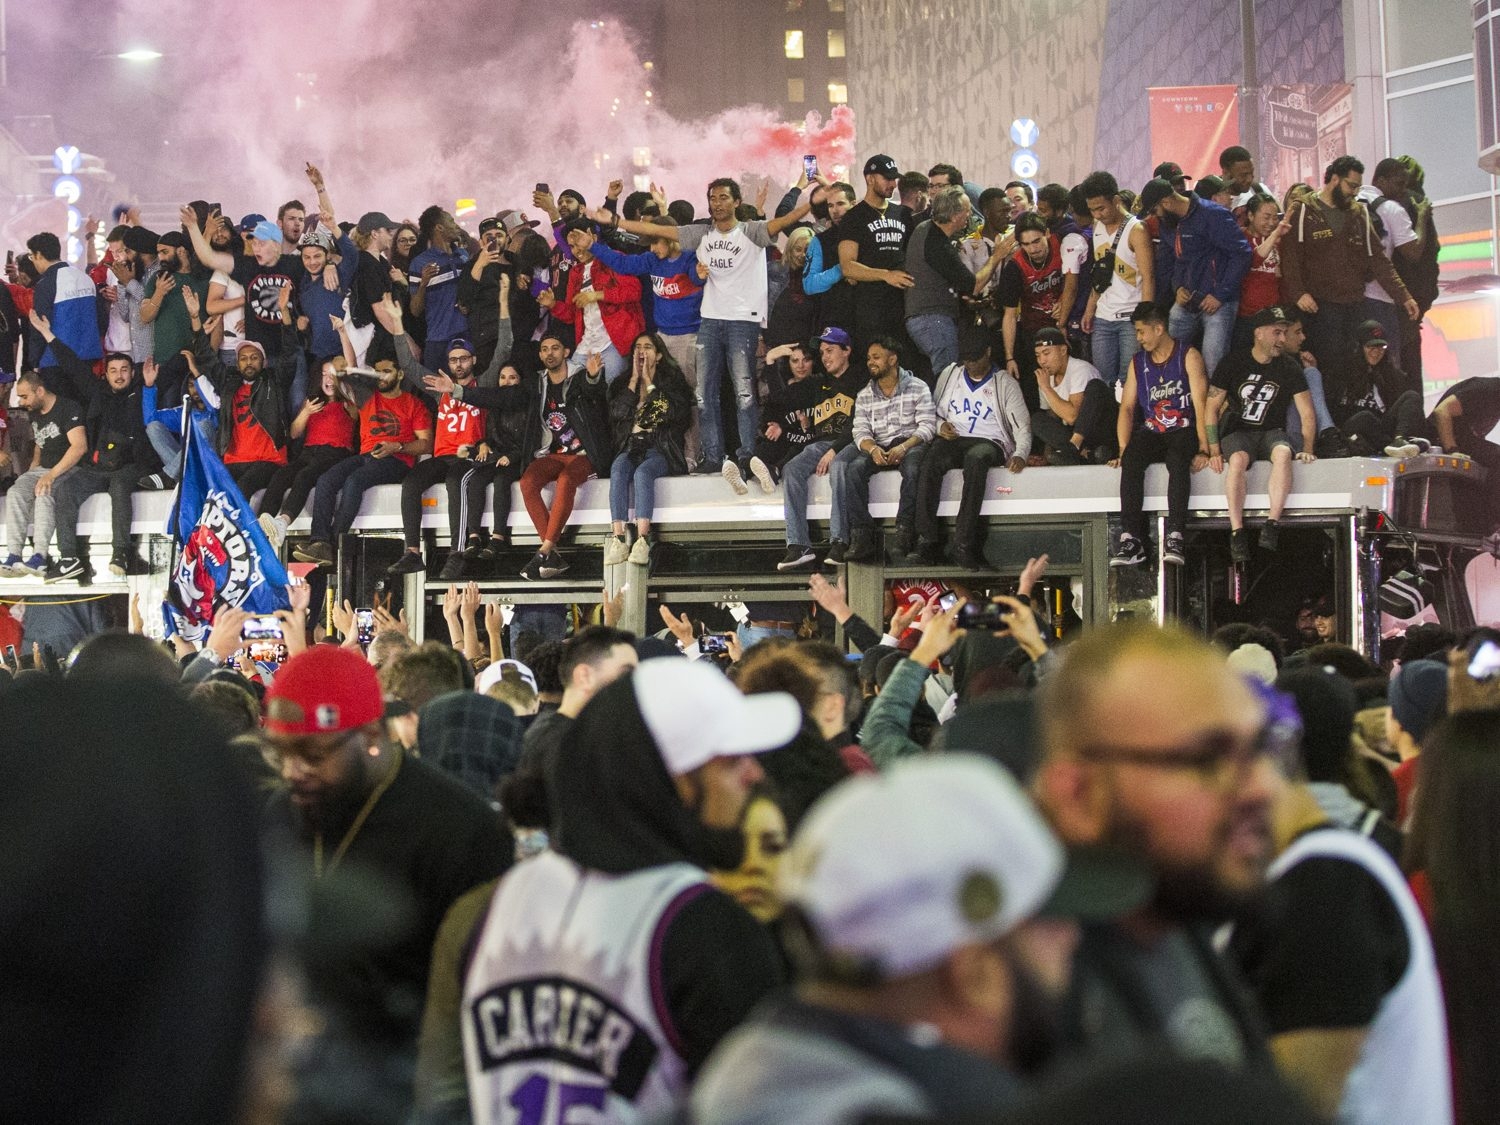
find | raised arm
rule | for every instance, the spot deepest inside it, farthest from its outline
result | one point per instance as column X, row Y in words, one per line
column 213, row 259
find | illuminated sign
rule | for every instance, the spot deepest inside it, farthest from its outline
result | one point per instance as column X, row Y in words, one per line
column 67, row 187
column 1024, row 162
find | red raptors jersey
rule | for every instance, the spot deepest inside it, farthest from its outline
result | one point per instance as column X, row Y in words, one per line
column 391, row 419
column 458, row 424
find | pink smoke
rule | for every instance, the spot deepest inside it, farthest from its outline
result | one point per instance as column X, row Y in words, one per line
column 379, row 97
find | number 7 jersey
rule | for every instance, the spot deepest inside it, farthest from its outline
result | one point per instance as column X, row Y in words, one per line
column 562, row 1000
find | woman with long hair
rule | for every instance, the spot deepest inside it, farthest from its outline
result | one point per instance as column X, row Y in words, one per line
column 1454, row 850
column 325, row 425
column 1373, row 402
column 1261, row 288
column 650, row 413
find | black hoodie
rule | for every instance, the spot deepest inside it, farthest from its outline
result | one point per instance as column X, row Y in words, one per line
column 112, row 419
column 615, row 810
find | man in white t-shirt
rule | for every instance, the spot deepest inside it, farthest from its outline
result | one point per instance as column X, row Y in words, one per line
column 1076, row 422
column 1399, row 240
column 732, row 261
column 1122, row 241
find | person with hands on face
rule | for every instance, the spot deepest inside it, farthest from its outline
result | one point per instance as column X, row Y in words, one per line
column 61, row 445
column 395, row 428
column 650, row 413
column 1162, row 417
column 982, row 423
column 1262, row 382
column 1076, row 424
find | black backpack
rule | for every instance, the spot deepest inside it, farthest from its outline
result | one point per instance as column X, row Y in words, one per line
column 1419, row 277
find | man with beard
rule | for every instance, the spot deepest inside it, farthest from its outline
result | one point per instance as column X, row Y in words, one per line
column 934, row 921
column 355, row 803
column 163, row 308
column 1031, row 293
column 1328, row 257
column 608, row 968
column 395, row 428
column 1152, row 744
column 872, row 254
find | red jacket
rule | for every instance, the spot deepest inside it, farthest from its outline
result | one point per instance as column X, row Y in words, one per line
column 620, row 307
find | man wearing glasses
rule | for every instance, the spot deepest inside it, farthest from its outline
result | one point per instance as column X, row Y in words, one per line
column 354, row 800
column 1331, row 253
column 1153, row 746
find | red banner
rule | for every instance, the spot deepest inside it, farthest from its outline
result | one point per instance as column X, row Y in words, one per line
column 1191, row 125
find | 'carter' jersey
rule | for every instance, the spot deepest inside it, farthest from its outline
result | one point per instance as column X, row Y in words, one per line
column 561, row 1004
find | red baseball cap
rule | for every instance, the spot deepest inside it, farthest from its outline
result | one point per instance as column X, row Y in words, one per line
column 323, row 691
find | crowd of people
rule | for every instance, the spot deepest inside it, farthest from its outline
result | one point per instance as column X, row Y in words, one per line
column 965, row 874
column 920, row 324
column 981, row 866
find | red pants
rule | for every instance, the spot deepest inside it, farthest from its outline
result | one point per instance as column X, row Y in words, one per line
column 569, row 470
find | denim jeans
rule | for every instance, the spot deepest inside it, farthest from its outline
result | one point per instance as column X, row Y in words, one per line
column 341, row 490
column 727, row 347
column 1183, row 324
column 937, row 337
column 1314, row 379
column 794, row 477
column 850, row 479
column 1113, row 344
column 168, row 444
column 614, row 363
column 624, row 474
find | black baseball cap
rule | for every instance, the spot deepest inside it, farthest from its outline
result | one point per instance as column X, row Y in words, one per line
column 1271, row 314
column 373, row 221
column 1210, row 186
column 1048, row 338
column 1153, row 193
column 1170, row 171
column 1371, row 332
column 881, row 165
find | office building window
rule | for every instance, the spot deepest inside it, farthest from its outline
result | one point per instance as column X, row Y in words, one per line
column 794, row 49
column 835, row 42
column 838, row 93
column 795, row 91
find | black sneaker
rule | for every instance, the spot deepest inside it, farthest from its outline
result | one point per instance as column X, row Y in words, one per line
column 1065, row 454
column 797, row 557
column 1130, row 552
column 837, row 549
column 532, row 571
column 926, row 552
column 1172, row 549
column 65, row 569
column 155, row 482
column 861, row 547
column 453, row 567
column 553, row 565
column 119, row 564
column 490, row 551
column 1332, row 443
column 316, row 551
column 1270, row 536
column 410, row 562
column 474, row 551
column 1239, row 545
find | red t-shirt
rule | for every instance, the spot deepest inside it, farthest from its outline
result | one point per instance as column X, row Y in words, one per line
column 458, row 424
column 1262, row 285
column 248, row 441
column 330, row 426
column 391, row 419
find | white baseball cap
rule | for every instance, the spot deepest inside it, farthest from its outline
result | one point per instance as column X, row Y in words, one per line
column 495, row 672
column 895, row 871
column 695, row 714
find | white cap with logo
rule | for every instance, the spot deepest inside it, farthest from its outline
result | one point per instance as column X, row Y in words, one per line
column 695, row 714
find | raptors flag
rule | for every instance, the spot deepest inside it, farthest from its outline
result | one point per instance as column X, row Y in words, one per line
column 220, row 556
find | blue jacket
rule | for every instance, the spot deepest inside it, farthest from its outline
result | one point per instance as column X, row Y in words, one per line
column 1211, row 252
column 318, row 302
column 816, row 279
column 172, row 416
column 676, row 291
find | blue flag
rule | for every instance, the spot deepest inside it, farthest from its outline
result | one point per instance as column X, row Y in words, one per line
column 221, row 557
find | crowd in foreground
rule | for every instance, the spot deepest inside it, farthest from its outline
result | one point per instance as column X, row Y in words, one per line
column 972, row 875
column 914, row 324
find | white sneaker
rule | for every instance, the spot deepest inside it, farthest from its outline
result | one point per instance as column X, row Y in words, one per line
column 762, row 474
column 1401, row 448
column 731, row 473
column 640, row 551
column 615, row 551
column 275, row 531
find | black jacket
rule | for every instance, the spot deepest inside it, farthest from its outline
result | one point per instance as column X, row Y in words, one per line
column 664, row 417
column 112, row 419
column 615, row 810
column 268, row 394
column 585, row 401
